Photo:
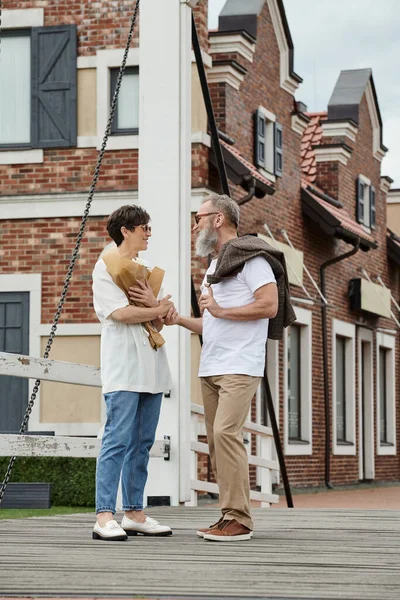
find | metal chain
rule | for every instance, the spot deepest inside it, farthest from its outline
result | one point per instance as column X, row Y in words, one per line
column 77, row 243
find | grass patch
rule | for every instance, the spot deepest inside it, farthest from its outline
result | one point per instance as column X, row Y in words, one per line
column 23, row 513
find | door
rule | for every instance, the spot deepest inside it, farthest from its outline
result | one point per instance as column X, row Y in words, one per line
column 14, row 338
column 366, row 436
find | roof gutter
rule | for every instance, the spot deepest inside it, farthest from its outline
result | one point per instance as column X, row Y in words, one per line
column 324, row 309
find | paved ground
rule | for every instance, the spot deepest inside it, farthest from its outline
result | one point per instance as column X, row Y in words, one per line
column 295, row 555
column 382, row 497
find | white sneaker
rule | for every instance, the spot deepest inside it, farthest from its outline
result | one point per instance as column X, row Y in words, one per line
column 149, row 527
column 111, row 532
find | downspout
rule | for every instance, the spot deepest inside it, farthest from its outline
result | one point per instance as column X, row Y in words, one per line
column 324, row 310
column 252, row 190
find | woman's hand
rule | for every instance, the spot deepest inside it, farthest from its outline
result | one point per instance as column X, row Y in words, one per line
column 165, row 306
column 143, row 294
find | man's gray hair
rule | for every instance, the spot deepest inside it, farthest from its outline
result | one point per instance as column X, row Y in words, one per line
column 228, row 207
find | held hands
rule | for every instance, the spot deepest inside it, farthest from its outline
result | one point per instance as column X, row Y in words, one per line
column 144, row 294
column 172, row 317
column 166, row 306
column 208, row 302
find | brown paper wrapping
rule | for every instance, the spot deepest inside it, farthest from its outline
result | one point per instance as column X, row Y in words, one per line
column 126, row 273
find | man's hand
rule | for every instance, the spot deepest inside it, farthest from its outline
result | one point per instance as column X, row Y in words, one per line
column 208, row 302
column 172, row 317
column 143, row 294
column 165, row 306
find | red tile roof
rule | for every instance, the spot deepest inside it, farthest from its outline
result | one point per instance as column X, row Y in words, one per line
column 341, row 214
column 253, row 170
column 312, row 137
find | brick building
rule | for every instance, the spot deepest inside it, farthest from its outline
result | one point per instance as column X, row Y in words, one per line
column 311, row 184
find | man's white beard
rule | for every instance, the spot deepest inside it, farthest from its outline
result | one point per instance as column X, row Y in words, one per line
column 206, row 242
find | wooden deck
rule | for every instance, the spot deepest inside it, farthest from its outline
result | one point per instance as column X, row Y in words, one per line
column 295, row 554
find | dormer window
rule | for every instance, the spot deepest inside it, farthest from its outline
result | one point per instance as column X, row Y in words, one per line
column 268, row 141
column 366, row 202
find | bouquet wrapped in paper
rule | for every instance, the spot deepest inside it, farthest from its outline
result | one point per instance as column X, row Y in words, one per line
column 126, row 273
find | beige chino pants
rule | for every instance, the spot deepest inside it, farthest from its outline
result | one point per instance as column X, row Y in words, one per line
column 227, row 400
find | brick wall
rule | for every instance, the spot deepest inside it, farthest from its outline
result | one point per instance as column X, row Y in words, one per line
column 234, row 112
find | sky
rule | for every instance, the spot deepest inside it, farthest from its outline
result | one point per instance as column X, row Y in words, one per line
column 346, row 34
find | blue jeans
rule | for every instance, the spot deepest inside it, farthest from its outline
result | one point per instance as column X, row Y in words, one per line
column 132, row 419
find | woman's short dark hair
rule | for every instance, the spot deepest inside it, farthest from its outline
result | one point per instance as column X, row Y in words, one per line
column 129, row 216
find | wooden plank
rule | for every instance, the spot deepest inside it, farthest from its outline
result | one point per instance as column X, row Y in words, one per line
column 253, row 460
column 207, row 486
column 298, row 554
column 41, row 445
column 49, row 370
column 248, row 426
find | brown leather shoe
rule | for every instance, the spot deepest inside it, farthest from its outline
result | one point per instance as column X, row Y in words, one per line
column 229, row 531
column 201, row 532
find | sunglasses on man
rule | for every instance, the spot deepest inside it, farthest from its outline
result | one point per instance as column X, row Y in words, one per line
column 198, row 217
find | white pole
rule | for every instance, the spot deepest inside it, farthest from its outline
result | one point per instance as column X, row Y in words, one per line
column 164, row 190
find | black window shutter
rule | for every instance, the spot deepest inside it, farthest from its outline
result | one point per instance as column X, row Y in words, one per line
column 259, row 138
column 278, row 143
column 372, row 204
column 54, row 90
column 360, row 201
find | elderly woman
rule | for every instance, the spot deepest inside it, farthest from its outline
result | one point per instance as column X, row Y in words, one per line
column 134, row 372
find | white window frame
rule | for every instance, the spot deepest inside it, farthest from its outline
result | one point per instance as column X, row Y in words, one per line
column 270, row 120
column 304, row 320
column 346, row 330
column 22, row 19
column 106, row 60
column 31, row 283
column 388, row 342
column 367, row 202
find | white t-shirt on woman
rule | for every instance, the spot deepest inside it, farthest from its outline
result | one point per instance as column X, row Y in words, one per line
column 128, row 362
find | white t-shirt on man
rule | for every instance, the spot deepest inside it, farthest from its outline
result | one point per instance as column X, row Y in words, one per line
column 235, row 347
column 128, row 362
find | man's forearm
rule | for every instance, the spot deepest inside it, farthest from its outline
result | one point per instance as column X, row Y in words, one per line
column 250, row 312
column 136, row 314
column 195, row 325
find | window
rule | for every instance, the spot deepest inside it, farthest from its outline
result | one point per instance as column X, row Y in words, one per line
column 340, row 389
column 385, row 392
column 366, row 202
column 268, row 140
column 38, row 83
column 126, row 118
column 383, row 395
column 343, row 388
column 15, row 81
column 294, row 382
column 298, row 385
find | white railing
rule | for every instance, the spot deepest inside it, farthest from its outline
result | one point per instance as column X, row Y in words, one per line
column 42, row 445
column 264, row 461
column 63, row 372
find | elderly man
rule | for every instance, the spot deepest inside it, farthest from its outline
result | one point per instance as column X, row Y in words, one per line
column 239, row 296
